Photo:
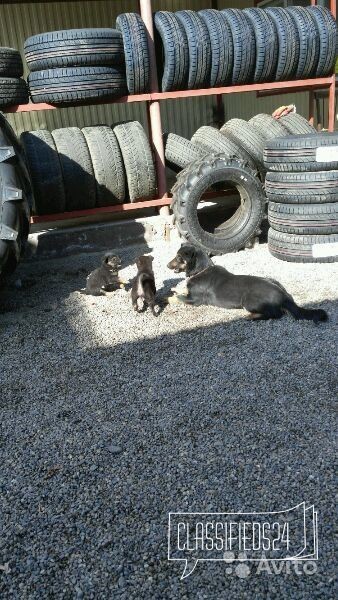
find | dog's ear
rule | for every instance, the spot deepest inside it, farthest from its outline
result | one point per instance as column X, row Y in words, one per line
column 190, row 256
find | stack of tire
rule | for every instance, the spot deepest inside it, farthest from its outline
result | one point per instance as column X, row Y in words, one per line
column 73, row 169
column 302, row 189
column 212, row 48
column 75, row 65
column 15, row 199
column 13, row 89
column 239, row 138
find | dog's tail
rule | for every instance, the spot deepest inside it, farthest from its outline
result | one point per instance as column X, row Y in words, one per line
column 310, row 314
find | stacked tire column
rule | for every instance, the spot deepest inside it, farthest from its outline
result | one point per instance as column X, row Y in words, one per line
column 302, row 189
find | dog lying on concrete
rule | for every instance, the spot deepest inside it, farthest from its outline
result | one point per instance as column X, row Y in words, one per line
column 215, row 286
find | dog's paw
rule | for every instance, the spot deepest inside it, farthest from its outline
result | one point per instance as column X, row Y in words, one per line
column 172, row 300
column 181, row 291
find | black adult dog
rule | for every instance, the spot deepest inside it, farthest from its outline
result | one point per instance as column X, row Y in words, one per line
column 215, row 286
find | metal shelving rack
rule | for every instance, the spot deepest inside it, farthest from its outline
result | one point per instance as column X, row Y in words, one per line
column 153, row 99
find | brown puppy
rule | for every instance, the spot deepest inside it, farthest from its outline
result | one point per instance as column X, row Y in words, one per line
column 143, row 285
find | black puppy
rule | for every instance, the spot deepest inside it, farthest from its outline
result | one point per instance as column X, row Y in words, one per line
column 215, row 286
column 143, row 285
column 105, row 278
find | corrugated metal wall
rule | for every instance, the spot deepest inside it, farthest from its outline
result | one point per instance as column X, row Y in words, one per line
column 20, row 20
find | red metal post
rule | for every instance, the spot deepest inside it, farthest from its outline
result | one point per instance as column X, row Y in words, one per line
column 311, row 106
column 332, row 88
column 332, row 99
column 333, row 7
column 154, row 105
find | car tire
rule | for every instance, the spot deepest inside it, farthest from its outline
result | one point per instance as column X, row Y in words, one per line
column 74, row 48
column 288, row 43
column 13, row 91
column 303, row 248
column 266, row 47
column 308, row 42
column 74, row 85
column 296, row 153
column 138, row 160
column 136, row 50
column 327, row 28
column 222, row 53
column 10, row 63
column 296, row 124
column 268, row 127
column 77, row 169
column 243, row 36
column 212, row 140
column 107, row 163
column 175, row 49
column 181, row 152
column 199, row 49
column 247, row 137
column 315, row 187
column 45, row 172
column 314, row 219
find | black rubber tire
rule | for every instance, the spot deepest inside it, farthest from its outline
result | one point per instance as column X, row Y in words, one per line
column 181, row 152
column 268, row 127
column 327, row 28
column 74, row 48
column 74, row 85
column 45, row 171
column 199, row 49
column 138, row 160
column 8, row 138
column 175, row 49
column 77, row 168
column 195, row 180
column 212, row 140
column 296, row 124
column 243, row 36
column 106, row 157
column 222, row 51
column 15, row 200
column 301, row 248
column 246, row 136
column 302, row 153
column 10, row 62
column 302, row 188
column 304, row 219
column 13, row 91
column 266, row 47
column 288, row 43
column 136, row 50
column 308, row 42
column 10, row 241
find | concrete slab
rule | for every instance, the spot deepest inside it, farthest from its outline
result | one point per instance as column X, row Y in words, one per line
column 97, row 237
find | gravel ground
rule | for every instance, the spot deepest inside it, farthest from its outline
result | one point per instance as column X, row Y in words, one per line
column 109, row 420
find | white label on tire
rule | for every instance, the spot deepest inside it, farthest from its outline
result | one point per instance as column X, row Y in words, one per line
column 327, row 154
column 322, row 250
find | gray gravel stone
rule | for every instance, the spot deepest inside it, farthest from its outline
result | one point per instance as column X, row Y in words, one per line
column 211, row 412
